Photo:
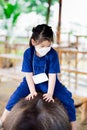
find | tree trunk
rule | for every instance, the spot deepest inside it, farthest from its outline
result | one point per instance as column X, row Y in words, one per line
column 6, row 44
column 59, row 22
column 48, row 11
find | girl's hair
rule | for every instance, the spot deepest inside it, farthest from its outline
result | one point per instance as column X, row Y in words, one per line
column 41, row 33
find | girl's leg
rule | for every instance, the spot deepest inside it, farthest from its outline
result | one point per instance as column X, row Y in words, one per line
column 74, row 125
column 21, row 92
column 0, row 123
column 3, row 117
column 66, row 98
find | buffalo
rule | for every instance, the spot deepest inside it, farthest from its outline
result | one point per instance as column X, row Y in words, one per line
column 37, row 114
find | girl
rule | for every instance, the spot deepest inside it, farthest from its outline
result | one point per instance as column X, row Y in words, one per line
column 41, row 65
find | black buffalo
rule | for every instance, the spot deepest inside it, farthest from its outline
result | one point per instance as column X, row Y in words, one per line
column 37, row 114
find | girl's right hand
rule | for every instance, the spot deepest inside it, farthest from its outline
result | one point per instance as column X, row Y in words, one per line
column 31, row 96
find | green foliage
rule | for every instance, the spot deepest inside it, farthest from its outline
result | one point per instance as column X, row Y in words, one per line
column 38, row 6
column 10, row 11
column 1, row 13
column 41, row 9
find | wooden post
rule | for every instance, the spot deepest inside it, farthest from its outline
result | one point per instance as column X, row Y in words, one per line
column 76, row 67
column 76, row 63
column 69, row 40
column 48, row 11
column 77, row 42
column 59, row 22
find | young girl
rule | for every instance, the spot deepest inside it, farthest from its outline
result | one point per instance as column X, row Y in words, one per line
column 41, row 65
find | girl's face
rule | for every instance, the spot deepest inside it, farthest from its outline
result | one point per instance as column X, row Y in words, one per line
column 42, row 48
column 45, row 43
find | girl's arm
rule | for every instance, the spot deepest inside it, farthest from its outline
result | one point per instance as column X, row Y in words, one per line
column 30, row 85
column 51, row 85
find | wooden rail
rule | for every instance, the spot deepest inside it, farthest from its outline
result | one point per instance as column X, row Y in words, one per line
column 68, row 68
column 13, row 57
column 11, row 74
column 72, row 70
column 8, row 72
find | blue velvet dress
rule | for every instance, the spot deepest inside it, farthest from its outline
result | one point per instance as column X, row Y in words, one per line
column 48, row 64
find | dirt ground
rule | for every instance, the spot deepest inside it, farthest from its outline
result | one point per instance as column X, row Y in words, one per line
column 6, row 89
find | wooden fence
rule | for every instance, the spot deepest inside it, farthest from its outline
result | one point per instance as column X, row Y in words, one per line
column 69, row 62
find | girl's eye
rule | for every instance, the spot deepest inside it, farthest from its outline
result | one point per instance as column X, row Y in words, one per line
column 42, row 46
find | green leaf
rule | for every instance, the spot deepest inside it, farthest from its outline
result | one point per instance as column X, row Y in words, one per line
column 15, row 18
column 8, row 10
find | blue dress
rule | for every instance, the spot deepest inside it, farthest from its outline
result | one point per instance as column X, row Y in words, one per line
column 48, row 64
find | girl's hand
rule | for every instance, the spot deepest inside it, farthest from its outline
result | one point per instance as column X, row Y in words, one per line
column 48, row 97
column 31, row 96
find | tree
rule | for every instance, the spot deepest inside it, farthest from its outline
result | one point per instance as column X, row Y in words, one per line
column 10, row 13
column 40, row 7
column 43, row 7
column 11, row 9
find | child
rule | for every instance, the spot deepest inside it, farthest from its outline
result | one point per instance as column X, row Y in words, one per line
column 41, row 65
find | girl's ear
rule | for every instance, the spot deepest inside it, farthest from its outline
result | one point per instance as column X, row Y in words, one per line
column 33, row 42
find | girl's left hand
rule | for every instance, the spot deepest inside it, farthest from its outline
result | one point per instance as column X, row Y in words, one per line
column 48, row 97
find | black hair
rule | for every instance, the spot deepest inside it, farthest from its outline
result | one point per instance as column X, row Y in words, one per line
column 41, row 33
